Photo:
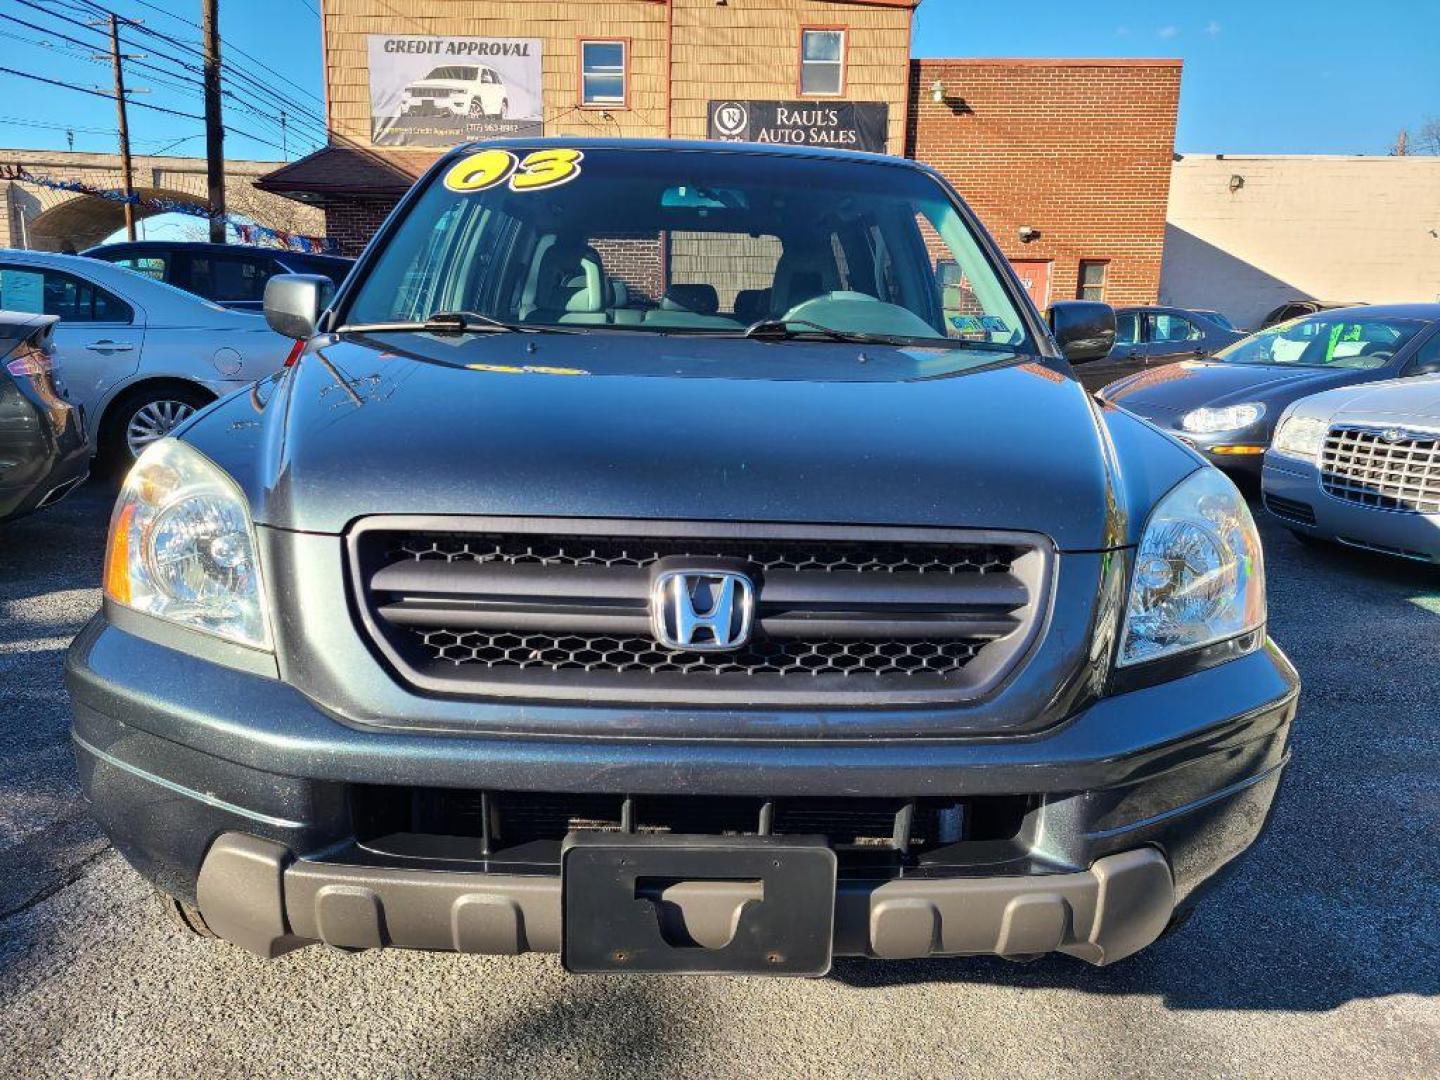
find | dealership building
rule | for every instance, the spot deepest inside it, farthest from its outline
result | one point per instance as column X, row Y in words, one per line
column 1067, row 162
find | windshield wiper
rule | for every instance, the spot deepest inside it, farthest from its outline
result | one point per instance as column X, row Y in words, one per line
column 789, row 329
column 457, row 322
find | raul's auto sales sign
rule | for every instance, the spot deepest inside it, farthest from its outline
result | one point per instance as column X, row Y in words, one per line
column 843, row 125
column 443, row 91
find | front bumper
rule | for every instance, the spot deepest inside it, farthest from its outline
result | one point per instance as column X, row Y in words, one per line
column 192, row 767
column 1292, row 492
column 256, row 894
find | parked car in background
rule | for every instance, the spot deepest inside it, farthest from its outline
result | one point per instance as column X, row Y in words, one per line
column 232, row 275
column 1217, row 317
column 1151, row 337
column 1361, row 465
column 1298, row 309
column 668, row 640
column 1226, row 406
column 138, row 356
column 43, row 453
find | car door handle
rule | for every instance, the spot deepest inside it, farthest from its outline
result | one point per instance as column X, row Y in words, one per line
column 106, row 345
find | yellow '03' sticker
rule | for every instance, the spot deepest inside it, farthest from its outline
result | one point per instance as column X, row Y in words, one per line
column 536, row 171
column 528, row 369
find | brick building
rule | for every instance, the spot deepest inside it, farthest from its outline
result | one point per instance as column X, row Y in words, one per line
column 1074, row 152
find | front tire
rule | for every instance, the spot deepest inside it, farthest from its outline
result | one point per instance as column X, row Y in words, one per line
column 143, row 417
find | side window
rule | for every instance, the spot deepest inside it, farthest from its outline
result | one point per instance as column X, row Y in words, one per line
column 1166, row 327
column 224, row 278
column 1427, row 360
column 22, row 290
column 50, row 292
column 152, row 266
column 1127, row 328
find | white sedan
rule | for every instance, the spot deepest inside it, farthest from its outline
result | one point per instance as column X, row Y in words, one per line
column 137, row 355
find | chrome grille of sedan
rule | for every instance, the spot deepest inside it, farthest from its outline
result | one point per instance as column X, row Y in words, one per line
column 563, row 610
column 1383, row 468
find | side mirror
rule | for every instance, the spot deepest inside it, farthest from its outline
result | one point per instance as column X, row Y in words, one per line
column 294, row 303
column 1083, row 329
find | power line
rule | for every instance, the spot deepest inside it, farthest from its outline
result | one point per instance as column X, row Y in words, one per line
column 300, row 111
column 17, row 121
column 97, row 93
column 195, row 46
column 167, row 80
column 138, row 104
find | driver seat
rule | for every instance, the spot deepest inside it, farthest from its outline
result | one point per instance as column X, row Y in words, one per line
column 802, row 275
column 569, row 286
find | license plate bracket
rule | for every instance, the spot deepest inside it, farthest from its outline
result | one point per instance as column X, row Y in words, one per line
column 697, row 904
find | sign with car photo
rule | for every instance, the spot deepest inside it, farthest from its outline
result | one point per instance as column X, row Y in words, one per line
column 443, row 91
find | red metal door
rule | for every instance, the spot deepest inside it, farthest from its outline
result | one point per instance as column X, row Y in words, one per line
column 1034, row 274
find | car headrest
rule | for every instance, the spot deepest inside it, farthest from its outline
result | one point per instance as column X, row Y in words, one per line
column 699, row 298
column 571, row 278
column 752, row 305
column 619, row 293
column 800, row 275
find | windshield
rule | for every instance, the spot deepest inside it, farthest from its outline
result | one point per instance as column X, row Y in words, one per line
column 686, row 242
column 1324, row 341
column 460, row 74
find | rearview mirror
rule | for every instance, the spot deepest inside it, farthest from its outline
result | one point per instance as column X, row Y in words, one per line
column 294, row 303
column 1083, row 329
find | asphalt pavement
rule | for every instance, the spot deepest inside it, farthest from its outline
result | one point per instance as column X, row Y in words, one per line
column 1321, row 957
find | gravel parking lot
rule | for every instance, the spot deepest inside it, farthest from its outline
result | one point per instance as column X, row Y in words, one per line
column 1321, row 957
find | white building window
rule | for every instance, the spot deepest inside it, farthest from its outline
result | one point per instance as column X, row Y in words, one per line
column 602, row 73
column 822, row 61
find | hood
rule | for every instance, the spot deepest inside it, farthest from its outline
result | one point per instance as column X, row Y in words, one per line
column 1415, row 398
column 641, row 426
column 1178, row 388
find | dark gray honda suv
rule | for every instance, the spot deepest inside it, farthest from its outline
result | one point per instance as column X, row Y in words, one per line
column 644, row 562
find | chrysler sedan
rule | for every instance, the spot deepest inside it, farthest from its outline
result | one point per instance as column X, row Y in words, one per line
column 1360, row 466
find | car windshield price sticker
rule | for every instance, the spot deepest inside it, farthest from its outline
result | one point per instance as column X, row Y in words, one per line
column 536, row 171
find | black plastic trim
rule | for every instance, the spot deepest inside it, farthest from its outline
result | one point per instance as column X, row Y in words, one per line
column 994, row 665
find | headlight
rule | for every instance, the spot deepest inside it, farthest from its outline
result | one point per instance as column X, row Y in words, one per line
column 1199, row 573
column 182, row 547
column 1230, row 418
column 1300, row 437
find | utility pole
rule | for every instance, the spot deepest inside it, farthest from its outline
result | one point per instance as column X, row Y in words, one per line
column 126, row 173
column 284, row 143
column 214, row 129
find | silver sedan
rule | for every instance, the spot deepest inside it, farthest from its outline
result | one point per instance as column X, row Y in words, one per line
column 1361, row 466
column 138, row 356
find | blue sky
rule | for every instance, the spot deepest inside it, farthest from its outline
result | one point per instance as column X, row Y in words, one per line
column 1300, row 76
